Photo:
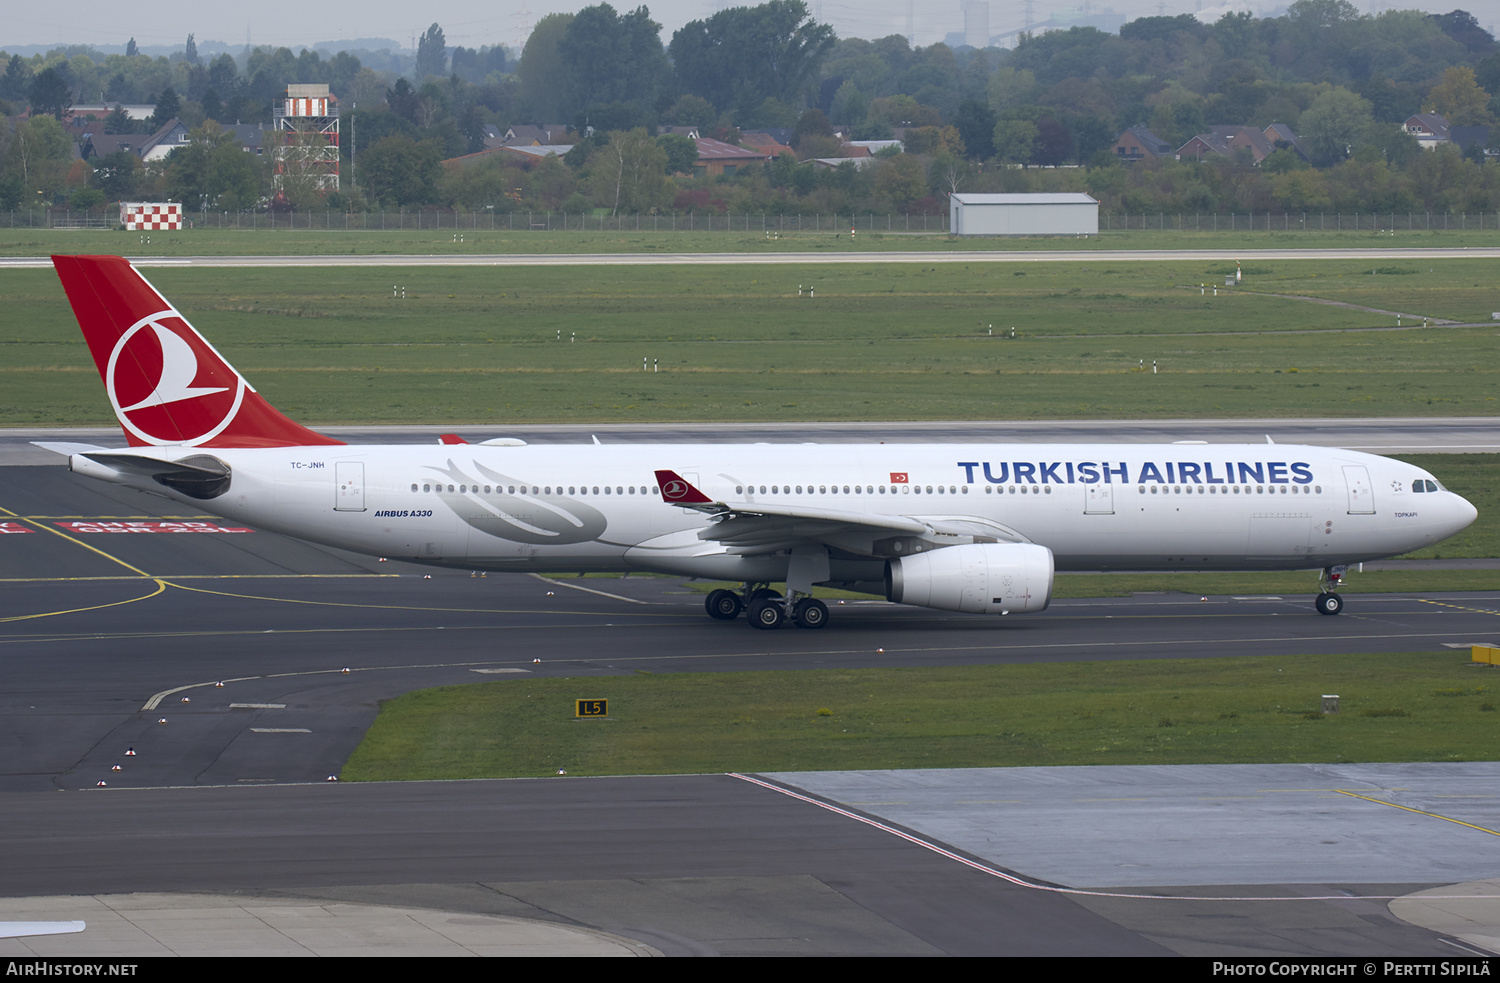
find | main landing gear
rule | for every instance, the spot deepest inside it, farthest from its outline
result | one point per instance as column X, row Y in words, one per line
column 765, row 608
column 1328, row 601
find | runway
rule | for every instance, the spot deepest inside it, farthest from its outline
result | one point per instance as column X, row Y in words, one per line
column 958, row 253
column 103, row 634
column 1395, row 435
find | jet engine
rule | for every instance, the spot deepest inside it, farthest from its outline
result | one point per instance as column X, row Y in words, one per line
column 990, row 578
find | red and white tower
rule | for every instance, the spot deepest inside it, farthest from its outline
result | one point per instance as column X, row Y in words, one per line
column 307, row 151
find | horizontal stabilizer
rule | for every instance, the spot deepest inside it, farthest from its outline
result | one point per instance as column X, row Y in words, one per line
column 66, row 448
column 200, row 476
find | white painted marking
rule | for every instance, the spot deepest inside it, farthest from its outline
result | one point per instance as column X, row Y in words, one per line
column 590, row 590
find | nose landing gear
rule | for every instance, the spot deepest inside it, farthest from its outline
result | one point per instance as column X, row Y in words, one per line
column 1328, row 601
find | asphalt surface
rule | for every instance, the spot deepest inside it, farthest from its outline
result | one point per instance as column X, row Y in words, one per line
column 103, row 635
column 1456, row 435
column 791, row 257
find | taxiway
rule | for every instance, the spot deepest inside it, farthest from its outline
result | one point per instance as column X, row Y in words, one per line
column 104, row 633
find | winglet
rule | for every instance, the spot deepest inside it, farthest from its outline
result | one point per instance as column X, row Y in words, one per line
column 451, row 438
column 677, row 490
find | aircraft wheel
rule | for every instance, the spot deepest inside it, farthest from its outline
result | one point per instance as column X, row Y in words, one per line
column 725, row 605
column 1329, row 603
column 766, row 614
column 810, row 613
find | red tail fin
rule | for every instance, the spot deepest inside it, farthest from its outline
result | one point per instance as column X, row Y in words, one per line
column 166, row 383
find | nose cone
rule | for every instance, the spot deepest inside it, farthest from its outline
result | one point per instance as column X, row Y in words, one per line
column 1464, row 513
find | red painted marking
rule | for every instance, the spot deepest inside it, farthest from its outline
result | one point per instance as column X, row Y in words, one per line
column 148, row 527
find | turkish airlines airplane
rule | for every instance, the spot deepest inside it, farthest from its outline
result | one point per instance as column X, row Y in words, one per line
column 977, row 528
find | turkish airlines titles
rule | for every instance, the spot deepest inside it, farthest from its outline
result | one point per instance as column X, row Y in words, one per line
column 1168, row 473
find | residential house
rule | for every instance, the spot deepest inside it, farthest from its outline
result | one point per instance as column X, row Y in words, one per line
column 251, row 136
column 1232, row 142
column 132, row 110
column 147, row 146
column 766, row 142
column 527, row 135
column 534, row 152
column 834, row 163
column 861, row 148
column 1282, row 137
column 716, row 157
column 1139, row 143
column 1429, row 129
column 1465, row 137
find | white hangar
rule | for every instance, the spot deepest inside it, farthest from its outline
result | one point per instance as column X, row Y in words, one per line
column 1056, row 214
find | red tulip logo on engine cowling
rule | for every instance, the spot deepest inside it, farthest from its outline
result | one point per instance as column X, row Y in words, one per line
column 168, row 386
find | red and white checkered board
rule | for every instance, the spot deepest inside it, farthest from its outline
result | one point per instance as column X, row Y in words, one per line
column 146, row 217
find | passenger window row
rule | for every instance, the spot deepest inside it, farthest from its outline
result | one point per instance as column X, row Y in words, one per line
column 465, row 489
column 1225, row 490
column 852, row 490
column 1418, row 485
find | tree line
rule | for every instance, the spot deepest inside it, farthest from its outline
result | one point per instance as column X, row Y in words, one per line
column 1041, row 116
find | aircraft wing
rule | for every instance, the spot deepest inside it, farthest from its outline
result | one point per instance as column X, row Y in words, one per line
column 761, row 527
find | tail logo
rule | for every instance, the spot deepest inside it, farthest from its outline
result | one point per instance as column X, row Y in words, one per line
column 167, row 386
column 673, row 490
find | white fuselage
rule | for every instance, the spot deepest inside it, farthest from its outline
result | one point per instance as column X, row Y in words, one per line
column 597, row 508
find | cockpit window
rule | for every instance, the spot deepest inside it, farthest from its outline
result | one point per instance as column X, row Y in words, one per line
column 1425, row 485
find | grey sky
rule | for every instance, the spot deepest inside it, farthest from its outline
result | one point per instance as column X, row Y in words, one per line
column 473, row 23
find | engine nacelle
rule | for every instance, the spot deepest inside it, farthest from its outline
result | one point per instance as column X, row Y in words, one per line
column 990, row 578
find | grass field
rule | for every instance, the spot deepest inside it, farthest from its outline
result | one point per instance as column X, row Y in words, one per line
column 1415, row 706
column 443, row 240
column 877, row 342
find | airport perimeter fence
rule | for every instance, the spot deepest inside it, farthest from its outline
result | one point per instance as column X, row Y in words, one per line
column 1304, row 222
column 459, row 221
column 456, row 221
